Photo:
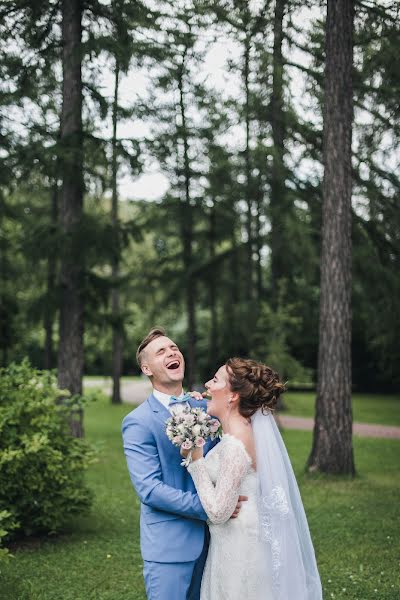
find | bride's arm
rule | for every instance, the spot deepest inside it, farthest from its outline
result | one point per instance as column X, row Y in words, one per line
column 220, row 501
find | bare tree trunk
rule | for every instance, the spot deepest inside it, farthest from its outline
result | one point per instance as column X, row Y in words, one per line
column 70, row 354
column 117, row 328
column 212, row 283
column 258, row 240
column 277, row 202
column 249, row 191
column 187, row 234
column 51, row 285
column 5, row 321
column 332, row 450
column 233, row 297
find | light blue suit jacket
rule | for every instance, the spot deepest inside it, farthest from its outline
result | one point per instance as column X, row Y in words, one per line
column 172, row 519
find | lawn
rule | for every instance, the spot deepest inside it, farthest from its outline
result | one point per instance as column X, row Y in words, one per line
column 354, row 525
column 367, row 408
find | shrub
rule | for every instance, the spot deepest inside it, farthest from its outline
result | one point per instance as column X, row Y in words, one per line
column 41, row 465
column 7, row 524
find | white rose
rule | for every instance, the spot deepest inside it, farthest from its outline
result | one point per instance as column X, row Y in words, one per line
column 196, row 430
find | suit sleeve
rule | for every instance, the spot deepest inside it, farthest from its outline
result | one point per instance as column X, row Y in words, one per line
column 145, row 472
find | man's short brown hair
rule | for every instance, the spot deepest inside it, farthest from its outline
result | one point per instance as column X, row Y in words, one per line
column 153, row 334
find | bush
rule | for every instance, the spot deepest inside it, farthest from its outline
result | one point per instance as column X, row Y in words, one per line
column 41, row 465
column 7, row 523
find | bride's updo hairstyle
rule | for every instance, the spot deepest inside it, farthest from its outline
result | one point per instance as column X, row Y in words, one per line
column 258, row 386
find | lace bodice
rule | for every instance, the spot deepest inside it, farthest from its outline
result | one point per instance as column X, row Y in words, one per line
column 236, row 567
column 219, row 477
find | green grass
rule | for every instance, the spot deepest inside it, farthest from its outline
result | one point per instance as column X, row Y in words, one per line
column 367, row 408
column 354, row 525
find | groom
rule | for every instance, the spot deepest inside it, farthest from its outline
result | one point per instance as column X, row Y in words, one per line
column 173, row 531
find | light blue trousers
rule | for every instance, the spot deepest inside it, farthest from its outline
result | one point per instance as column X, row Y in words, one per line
column 174, row 581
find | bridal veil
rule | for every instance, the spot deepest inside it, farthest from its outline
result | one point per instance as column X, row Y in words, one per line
column 283, row 524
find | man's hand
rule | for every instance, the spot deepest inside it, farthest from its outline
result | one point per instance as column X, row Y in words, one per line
column 238, row 506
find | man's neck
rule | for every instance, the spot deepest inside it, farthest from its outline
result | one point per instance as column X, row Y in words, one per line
column 175, row 390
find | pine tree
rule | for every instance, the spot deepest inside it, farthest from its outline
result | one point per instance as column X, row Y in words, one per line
column 332, row 450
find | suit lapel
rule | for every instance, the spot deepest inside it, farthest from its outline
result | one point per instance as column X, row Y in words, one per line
column 159, row 410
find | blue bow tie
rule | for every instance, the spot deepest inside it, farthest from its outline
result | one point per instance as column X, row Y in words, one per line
column 175, row 400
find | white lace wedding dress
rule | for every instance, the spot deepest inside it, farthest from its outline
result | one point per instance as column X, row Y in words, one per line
column 236, row 567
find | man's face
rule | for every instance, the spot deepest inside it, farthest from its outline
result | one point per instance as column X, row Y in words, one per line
column 163, row 362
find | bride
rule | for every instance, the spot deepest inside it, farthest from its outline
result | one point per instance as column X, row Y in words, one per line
column 266, row 553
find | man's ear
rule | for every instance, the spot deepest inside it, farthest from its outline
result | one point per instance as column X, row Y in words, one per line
column 146, row 370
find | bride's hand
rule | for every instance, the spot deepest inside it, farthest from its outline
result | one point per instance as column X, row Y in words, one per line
column 196, row 453
column 196, row 395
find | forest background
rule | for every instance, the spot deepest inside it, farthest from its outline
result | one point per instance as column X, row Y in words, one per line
column 216, row 110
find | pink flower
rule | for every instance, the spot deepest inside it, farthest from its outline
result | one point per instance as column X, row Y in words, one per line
column 187, row 444
column 189, row 419
column 177, row 440
column 200, row 442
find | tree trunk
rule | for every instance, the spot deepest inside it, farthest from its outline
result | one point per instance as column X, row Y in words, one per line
column 187, row 234
column 278, row 206
column 212, row 286
column 233, row 297
column 117, row 341
column 248, row 188
column 70, row 354
column 332, row 450
column 258, row 240
column 5, row 320
column 51, row 285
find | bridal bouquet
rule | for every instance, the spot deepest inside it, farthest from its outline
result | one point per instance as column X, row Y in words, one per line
column 190, row 429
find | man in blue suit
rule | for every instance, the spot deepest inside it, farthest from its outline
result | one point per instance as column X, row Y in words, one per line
column 173, row 531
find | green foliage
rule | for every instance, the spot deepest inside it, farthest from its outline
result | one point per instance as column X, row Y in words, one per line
column 7, row 524
column 273, row 329
column 41, row 465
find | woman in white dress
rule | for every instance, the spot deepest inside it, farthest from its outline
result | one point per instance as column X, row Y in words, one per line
column 266, row 552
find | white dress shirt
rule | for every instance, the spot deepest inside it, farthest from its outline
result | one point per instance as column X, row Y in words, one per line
column 165, row 398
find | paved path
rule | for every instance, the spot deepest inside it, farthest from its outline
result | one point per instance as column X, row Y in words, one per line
column 359, row 429
column 135, row 392
column 132, row 392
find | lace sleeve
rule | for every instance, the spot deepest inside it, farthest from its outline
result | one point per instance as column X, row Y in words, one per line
column 219, row 501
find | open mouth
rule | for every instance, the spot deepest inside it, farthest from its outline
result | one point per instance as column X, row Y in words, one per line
column 173, row 365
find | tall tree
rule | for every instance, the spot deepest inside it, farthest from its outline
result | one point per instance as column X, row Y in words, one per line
column 278, row 205
column 48, row 321
column 70, row 353
column 117, row 343
column 332, row 450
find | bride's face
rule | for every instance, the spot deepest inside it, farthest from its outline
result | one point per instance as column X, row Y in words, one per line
column 219, row 392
